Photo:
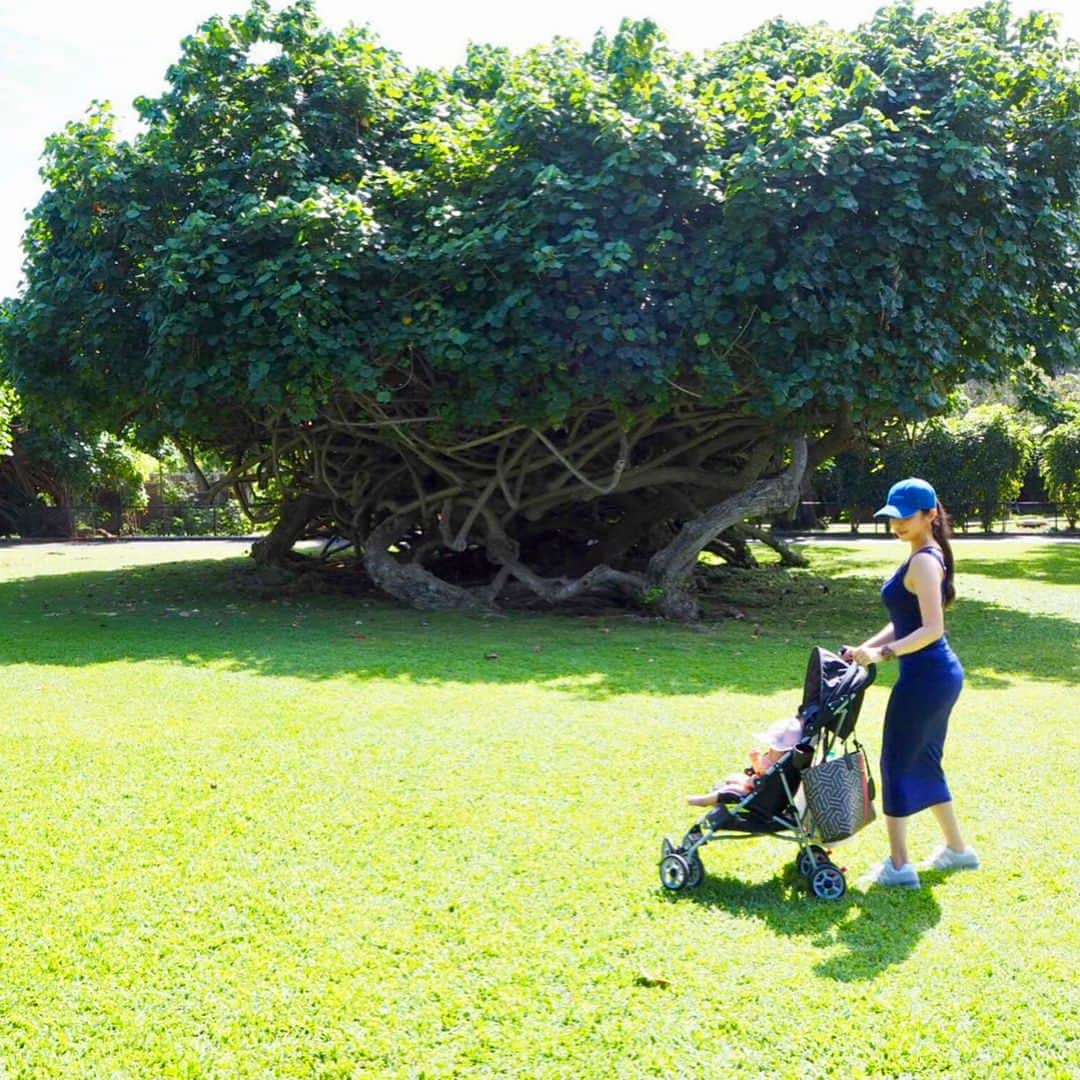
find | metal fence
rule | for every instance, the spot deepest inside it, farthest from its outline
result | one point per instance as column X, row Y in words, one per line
column 188, row 518
column 1022, row 516
column 200, row 518
column 196, row 518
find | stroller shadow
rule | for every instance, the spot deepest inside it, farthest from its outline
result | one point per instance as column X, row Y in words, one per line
column 875, row 929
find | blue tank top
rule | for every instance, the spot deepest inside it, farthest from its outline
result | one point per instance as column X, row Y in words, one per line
column 902, row 605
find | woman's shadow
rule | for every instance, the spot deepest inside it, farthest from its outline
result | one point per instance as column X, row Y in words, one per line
column 876, row 928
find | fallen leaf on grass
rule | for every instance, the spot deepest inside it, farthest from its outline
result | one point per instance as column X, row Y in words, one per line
column 645, row 979
column 359, row 637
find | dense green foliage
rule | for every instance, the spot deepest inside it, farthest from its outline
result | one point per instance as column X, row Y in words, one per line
column 463, row 304
column 1049, row 399
column 9, row 410
column 545, row 230
column 1059, row 461
column 853, row 483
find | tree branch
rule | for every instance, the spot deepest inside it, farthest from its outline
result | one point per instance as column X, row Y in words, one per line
column 408, row 582
column 670, row 567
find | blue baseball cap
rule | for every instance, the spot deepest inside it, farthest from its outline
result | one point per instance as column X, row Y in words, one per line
column 907, row 497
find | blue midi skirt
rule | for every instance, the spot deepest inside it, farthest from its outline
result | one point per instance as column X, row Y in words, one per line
column 916, row 722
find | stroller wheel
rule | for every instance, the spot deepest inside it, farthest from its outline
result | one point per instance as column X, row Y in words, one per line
column 806, row 865
column 674, row 871
column 828, row 882
column 697, row 870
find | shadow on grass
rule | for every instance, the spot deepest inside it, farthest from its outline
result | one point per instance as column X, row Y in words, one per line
column 872, row 930
column 197, row 613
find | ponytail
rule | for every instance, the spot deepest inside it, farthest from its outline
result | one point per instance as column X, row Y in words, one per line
column 942, row 530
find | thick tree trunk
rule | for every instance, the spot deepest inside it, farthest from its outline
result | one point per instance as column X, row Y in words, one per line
column 276, row 548
column 663, row 587
column 651, row 514
column 409, row 582
column 670, row 568
column 202, row 485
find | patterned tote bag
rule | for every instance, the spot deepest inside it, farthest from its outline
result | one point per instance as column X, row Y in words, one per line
column 840, row 796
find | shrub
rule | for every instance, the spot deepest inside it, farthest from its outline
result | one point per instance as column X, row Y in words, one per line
column 1060, row 466
column 976, row 463
column 991, row 450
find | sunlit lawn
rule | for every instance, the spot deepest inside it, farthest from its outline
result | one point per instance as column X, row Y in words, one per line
column 320, row 837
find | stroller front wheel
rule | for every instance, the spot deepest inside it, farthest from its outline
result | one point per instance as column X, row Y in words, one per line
column 674, row 871
column 827, row 882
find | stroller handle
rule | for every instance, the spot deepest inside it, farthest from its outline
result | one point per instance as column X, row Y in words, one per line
column 871, row 669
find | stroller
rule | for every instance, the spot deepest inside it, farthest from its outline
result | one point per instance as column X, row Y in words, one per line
column 832, row 697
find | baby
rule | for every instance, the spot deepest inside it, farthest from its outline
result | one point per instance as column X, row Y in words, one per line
column 779, row 739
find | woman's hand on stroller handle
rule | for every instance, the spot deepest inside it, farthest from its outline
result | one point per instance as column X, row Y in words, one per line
column 858, row 654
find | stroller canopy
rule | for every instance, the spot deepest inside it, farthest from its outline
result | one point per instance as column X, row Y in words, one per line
column 833, row 693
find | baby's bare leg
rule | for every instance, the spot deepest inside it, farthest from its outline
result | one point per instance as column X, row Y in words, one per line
column 702, row 800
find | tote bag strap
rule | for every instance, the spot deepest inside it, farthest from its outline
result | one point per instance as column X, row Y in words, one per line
column 871, row 790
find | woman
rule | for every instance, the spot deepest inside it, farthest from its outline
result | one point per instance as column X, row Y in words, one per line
column 931, row 677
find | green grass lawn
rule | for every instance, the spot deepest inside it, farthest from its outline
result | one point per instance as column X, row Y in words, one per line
column 321, row 837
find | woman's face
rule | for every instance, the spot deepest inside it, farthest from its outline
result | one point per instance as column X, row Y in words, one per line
column 916, row 527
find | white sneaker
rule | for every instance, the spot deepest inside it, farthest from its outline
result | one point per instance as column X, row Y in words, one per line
column 906, row 877
column 947, row 859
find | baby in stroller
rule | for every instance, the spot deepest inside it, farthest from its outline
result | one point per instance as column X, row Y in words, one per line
column 778, row 740
column 800, row 789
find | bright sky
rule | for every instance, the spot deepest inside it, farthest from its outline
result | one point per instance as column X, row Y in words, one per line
column 58, row 55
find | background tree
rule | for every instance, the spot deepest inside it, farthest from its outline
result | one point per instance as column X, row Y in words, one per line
column 853, row 482
column 553, row 323
column 49, row 476
column 1059, row 461
column 977, row 462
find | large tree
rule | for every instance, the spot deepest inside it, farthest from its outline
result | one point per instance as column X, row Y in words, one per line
column 554, row 322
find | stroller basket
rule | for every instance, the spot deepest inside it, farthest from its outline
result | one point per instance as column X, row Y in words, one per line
column 832, row 699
